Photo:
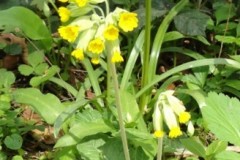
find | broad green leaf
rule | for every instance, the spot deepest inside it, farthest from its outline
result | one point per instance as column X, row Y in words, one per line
column 66, row 153
column 46, row 105
column 25, row 70
column 145, row 140
column 35, row 58
column 129, row 107
column 173, row 35
column 41, row 68
column 225, row 39
column 3, row 156
column 90, row 149
column 49, row 73
column 227, row 155
column 191, row 22
column 238, row 29
column 221, row 113
column 13, row 141
column 139, row 154
column 4, row 106
column 194, row 145
column 113, row 148
column 215, row 148
column 66, row 114
column 81, row 130
column 33, row 27
column 17, row 158
column 7, row 78
column 223, row 10
column 233, row 83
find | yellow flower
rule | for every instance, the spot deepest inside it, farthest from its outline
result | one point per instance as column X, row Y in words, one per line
column 78, row 54
column 184, row 117
column 96, row 46
column 63, row 1
column 116, row 56
column 64, row 14
column 81, row 3
column 175, row 132
column 95, row 60
column 69, row 33
column 128, row 21
column 111, row 33
column 158, row 134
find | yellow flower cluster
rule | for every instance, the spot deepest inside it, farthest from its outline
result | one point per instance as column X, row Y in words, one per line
column 170, row 110
column 90, row 32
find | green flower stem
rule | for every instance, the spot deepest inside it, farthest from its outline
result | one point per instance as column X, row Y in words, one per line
column 107, row 7
column 160, row 145
column 113, row 72
column 146, row 54
column 189, row 65
column 119, row 110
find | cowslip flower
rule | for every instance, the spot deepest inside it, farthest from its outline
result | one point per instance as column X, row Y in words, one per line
column 69, row 33
column 81, row 3
column 95, row 60
column 64, row 14
column 63, row 1
column 158, row 134
column 78, row 54
column 157, row 122
column 111, row 33
column 96, row 46
column 128, row 21
column 116, row 56
column 171, row 121
column 177, row 106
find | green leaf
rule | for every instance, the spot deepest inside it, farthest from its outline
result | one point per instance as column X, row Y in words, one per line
column 129, row 107
column 7, row 78
column 227, row 155
column 41, row 68
column 145, row 140
column 49, row 73
column 221, row 113
column 35, row 58
column 66, row 153
column 82, row 129
column 191, row 23
column 173, row 35
column 25, row 70
column 17, row 158
column 194, row 145
column 226, row 39
column 15, row 19
column 13, row 141
column 215, row 148
column 90, row 149
column 46, row 105
column 233, row 83
column 66, row 114
column 223, row 10
column 113, row 148
column 3, row 156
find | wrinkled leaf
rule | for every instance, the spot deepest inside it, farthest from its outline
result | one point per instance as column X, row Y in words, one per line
column 48, row 106
column 90, row 149
column 25, row 70
column 191, row 23
column 50, row 72
column 221, row 113
column 13, row 141
column 81, row 130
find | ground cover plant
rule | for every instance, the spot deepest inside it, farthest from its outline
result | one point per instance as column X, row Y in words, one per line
column 104, row 80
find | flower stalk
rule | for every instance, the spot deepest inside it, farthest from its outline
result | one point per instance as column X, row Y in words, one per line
column 113, row 73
